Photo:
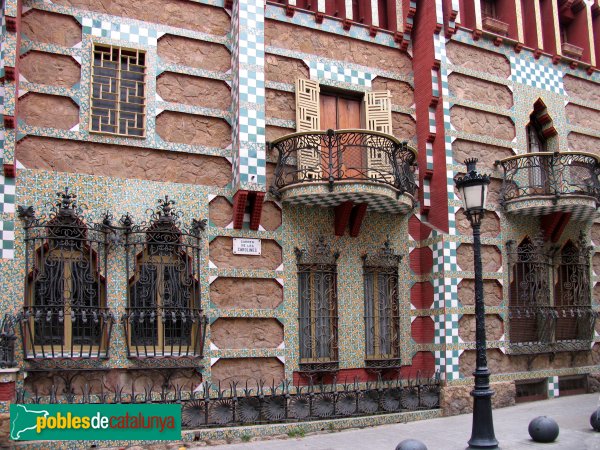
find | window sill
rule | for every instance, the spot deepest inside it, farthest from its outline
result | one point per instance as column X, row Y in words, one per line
column 71, row 356
column 150, row 355
column 389, row 363
column 495, row 26
column 525, row 348
column 319, row 367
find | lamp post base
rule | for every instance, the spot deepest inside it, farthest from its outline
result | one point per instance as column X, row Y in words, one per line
column 482, row 435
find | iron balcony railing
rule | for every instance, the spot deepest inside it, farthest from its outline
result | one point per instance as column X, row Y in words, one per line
column 341, row 156
column 164, row 332
column 555, row 174
column 66, row 332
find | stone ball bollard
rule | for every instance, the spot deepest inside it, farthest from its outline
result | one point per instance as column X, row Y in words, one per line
column 411, row 444
column 595, row 420
column 543, row 429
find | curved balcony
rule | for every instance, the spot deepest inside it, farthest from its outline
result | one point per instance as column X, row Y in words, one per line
column 545, row 182
column 328, row 168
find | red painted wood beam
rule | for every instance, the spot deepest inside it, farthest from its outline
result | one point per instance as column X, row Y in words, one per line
column 356, row 218
column 13, row 25
column 239, row 207
column 560, row 227
column 342, row 217
column 256, row 204
column 554, row 224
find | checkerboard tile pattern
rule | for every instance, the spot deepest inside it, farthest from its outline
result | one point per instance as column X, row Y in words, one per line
column 426, row 193
column 535, row 73
column 435, row 83
column 7, row 195
column 444, row 250
column 248, row 87
column 7, row 239
column 553, row 387
column 119, row 31
column 336, row 72
column 380, row 203
column 249, row 164
column 579, row 211
column 432, row 124
column 7, row 206
column 429, row 155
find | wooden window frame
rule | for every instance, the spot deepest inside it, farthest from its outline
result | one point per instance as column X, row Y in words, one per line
column 160, row 262
column 66, row 258
column 376, row 304
column 118, row 109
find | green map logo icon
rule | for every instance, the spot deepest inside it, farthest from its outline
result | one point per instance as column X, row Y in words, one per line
column 102, row 422
column 23, row 421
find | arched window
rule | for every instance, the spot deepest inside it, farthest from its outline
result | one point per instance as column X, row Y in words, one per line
column 536, row 142
column 65, row 312
column 164, row 316
column 382, row 309
column 317, row 308
column 538, row 165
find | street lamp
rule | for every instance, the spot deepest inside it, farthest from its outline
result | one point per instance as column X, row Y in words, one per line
column 473, row 190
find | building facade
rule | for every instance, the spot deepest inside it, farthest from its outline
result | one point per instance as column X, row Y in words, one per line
column 202, row 196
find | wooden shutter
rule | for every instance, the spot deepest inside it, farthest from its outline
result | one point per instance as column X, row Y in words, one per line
column 307, row 105
column 378, row 111
column 307, row 119
column 378, row 117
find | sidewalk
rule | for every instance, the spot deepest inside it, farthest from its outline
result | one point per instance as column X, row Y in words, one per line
column 452, row 433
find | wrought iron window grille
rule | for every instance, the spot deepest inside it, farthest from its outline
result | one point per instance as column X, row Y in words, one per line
column 346, row 155
column 118, row 92
column 259, row 403
column 317, row 308
column 65, row 313
column 550, row 296
column 381, row 308
column 7, row 342
column 550, row 174
column 164, row 318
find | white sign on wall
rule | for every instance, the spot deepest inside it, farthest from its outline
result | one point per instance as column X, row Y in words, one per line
column 246, row 246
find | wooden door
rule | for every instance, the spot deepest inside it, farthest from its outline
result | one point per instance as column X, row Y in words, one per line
column 341, row 113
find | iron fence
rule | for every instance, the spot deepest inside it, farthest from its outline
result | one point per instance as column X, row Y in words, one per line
column 551, row 174
column 345, row 155
column 211, row 406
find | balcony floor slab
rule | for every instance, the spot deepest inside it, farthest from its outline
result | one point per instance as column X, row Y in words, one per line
column 380, row 198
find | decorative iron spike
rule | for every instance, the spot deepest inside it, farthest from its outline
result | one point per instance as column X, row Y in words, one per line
column 126, row 220
column 26, row 213
column 66, row 200
column 165, row 208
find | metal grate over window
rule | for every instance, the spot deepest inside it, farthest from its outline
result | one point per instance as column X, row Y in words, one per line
column 118, row 94
column 317, row 308
column 65, row 313
column 164, row 317
column 550, row 296
column 382, row 310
